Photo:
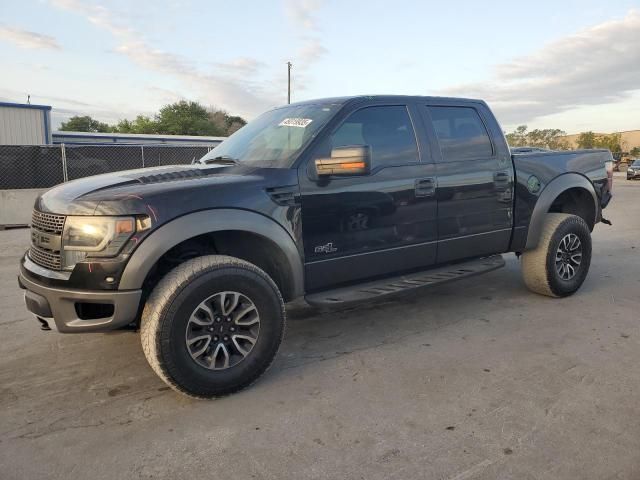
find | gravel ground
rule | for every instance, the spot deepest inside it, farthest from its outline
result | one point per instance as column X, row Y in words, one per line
column 479, row 379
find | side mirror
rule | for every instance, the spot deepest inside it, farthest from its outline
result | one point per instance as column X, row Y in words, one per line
column 352, row 160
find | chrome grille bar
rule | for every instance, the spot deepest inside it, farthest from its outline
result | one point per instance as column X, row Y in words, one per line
column 47, row 222
column 45, row 258
column 46, row 231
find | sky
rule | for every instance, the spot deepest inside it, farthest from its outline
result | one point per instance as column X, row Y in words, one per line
column 573, row 65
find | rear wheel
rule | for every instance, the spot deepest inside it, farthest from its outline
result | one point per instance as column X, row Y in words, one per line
column 558, row 266
column 212, row 326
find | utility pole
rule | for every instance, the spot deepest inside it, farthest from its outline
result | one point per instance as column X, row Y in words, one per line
column 289, row 65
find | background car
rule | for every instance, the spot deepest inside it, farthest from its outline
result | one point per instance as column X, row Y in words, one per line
column 634, row 169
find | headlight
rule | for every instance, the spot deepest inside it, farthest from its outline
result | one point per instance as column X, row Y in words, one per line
column 95, row 236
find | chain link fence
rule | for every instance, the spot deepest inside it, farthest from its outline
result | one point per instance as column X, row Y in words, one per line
column 30, row 167
column 23, row 166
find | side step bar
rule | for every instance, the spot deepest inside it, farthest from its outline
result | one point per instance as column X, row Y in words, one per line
column 403, row 283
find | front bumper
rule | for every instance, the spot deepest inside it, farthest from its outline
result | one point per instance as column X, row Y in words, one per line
column 61, row 307
column 634, row 174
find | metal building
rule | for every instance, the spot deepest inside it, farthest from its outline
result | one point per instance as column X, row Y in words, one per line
column 24, row 124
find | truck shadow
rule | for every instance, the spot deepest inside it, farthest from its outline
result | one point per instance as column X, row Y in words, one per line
column 315, row 335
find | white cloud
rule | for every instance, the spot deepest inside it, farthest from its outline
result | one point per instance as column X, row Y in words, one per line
column 302, row 12
column 306, row 56
column 311, row 52
column 303, row 16
column 228, row 87
column 154, row 59
column 27, row 39
column 241, row 66
column 595, row 66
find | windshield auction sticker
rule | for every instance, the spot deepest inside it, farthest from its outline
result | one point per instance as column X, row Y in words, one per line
column 295, row 122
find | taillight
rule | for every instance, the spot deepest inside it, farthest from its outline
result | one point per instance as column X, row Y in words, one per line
column 609, row 166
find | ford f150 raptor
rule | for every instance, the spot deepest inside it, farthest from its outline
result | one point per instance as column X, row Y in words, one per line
column 337, row 200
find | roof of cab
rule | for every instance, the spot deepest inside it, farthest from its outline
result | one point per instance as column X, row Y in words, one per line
column 404, row 98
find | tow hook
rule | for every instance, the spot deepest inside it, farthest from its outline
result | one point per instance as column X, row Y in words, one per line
column 605, row 221
column 44, row 325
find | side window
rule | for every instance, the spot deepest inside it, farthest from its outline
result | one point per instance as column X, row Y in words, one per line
column 461, row 133
column 386, row 129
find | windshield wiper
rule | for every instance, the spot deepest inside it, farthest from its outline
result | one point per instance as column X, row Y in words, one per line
column 223, row 159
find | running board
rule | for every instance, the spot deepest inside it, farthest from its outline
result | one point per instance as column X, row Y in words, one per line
column 403, row 283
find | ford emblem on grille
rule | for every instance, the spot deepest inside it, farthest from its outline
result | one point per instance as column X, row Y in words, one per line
column 45, row 240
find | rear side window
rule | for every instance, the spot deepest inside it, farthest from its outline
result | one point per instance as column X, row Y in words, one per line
column 386, row 129
column 461, row 133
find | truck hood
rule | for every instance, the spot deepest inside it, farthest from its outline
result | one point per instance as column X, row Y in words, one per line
column 79, row 197
column 164, row 192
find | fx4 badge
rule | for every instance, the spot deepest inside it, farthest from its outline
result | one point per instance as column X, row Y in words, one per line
column 328, row 248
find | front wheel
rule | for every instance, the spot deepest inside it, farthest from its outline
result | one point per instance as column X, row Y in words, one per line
column 212, row 326
column 558, row 266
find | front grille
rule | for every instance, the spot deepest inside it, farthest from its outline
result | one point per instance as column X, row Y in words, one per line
column 47, row 222
column 45, row 258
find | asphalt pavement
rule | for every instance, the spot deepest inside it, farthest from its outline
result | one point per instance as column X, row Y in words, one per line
column 478, row 379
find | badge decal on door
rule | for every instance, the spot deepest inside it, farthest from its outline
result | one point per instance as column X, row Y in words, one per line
column 328, row 248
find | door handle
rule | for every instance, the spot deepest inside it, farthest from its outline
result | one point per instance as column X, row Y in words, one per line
column 501, row 177
column 425, row 187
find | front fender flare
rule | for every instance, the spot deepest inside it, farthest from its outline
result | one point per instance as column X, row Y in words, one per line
column 546, row 198
column 208, row 221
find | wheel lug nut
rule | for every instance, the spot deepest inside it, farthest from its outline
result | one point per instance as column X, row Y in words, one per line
column 232, row 329
column 226, row 338
column 215, row 339
column 218, row 319
column 228, row 319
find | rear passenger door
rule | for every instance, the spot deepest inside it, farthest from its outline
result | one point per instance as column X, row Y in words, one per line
column 475, row 182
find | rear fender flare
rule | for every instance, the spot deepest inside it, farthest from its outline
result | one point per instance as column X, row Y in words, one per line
column 208, row 221
column 546, row 198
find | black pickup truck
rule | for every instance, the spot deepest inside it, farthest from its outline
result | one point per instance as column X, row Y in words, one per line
column 337, row 200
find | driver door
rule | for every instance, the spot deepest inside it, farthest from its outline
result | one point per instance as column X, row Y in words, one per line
column 376, row 224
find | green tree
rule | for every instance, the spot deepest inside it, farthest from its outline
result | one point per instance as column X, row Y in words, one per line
column 595, row 140
column 518, row 137
column 224, row 123
column 635, row 152
column 85, row 124
column 586, row 140
column 141, row 124
column 612, row 142
column 235, row 123
column 180, row 118
column 551, row 138
column 184, row 118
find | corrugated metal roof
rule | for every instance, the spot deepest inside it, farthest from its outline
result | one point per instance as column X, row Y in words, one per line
column 60, row 136
column 25, row 105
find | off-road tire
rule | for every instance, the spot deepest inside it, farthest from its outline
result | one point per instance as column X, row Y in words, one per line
column 167, row 311
column 538, row 265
